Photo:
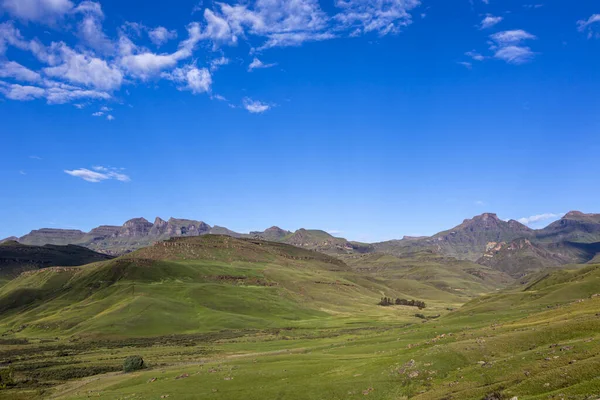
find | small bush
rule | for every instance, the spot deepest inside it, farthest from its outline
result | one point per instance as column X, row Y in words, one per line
column 133, row 363
column 6, row 377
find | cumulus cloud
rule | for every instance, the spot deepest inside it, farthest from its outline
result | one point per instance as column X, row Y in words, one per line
column 191, row 78
column 45, row 11
column 98, row 114
column 257, row 64
column 540, row 217
column 87, row 70
column 99, row 174
column 255, row 106
column 490, row 21
column 161, row 35
column 589, row 24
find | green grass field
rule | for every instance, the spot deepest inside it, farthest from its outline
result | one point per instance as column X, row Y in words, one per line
column 240, row 320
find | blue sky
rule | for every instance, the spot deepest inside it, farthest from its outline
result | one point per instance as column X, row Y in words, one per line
column 372, row 120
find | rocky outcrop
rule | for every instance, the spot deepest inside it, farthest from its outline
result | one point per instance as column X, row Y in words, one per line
column 52, row 236
column 136, row 227
column 9, row 239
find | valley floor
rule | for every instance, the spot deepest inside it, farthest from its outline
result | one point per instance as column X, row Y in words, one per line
column 536, row 351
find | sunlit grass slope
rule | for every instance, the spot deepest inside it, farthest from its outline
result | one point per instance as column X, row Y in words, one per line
column 196, row 284
column 530, row 350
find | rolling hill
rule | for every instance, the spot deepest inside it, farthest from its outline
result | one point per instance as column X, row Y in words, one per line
column 193, row 284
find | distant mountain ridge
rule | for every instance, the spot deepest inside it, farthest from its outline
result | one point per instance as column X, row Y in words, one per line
column 471, row 240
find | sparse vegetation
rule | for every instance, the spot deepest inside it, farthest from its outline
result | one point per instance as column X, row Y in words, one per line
column 386, row 301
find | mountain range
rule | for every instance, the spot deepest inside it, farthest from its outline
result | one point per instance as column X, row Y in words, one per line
column 508, row 246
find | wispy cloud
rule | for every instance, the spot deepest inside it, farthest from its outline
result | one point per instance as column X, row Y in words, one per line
column 35, row 157
column 539, row 218
column 99, row 174
column 257, row 64
column 508, row 46
column 110, row 117
column 490, row 21
column 589, row 24
column 255, row 106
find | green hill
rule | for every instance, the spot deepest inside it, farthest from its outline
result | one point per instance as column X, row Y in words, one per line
column 187, row 285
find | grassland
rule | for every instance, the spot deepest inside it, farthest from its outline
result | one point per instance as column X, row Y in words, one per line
column 297, row 325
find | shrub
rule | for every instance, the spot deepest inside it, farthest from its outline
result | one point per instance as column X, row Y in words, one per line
column 6, row 377
column 133, row 363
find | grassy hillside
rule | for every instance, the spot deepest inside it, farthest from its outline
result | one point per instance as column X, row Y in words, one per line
column 196, row 284
column 430, row 275
column 537, row 341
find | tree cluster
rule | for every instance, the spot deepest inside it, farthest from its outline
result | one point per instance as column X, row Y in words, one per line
column 388, row 301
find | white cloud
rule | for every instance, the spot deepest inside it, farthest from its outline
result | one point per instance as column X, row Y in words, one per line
column 191, row 78
column 90, row 31
column 218, row 62
column 146, row 65
column 46, row 11
column 98, row 114
column 100, row 174
column 89, row 8
column 295, row 39
column 475, row 56
column 218, row 29
column 60, row 94
column 515, row 54
column 18, row 72
column 382, row 16
column 21, row 93
column 465, row 64
column 87, row 70
column 490, row 21
column 507, row 46
column 110, row 117
column 105, row 109
column 161, row 35
column 540, row 217
column 255, row 106
column 582, row 25
column 511, row 37
column 257, row 64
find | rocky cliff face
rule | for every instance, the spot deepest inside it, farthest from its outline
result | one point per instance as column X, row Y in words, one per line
column 137, row 227
column 52, row 236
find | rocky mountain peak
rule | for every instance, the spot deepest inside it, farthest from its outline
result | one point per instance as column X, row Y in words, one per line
column 135, row 227
column 574, row 215
column 158, row 221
